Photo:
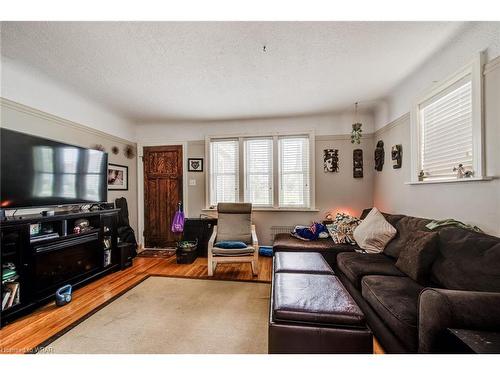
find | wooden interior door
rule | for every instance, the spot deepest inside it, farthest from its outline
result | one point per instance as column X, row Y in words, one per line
column 162, row 193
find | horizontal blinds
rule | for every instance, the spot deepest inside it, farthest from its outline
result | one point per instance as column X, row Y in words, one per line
column 294, row 171
column 224, row 171
column 259, row 171
column 446, row 132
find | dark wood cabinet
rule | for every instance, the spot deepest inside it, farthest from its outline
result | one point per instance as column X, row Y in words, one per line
column 39, row 254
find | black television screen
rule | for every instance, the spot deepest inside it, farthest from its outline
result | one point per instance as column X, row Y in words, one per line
column 39, row 172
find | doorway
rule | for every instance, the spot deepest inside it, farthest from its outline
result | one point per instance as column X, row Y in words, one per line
column 163, row 190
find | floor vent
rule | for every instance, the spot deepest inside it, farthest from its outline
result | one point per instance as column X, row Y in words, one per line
column 280, row 229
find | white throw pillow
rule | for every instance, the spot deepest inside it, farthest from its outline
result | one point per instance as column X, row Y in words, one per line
column 374, row 232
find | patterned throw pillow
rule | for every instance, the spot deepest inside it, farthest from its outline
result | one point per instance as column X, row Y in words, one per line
column 342, row 228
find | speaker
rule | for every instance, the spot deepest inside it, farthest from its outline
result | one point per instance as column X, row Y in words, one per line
column 126, row 252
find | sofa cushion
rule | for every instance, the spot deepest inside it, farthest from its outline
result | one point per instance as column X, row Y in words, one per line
column 374, row 232
column 285, row 242
column 314, row 299
column 355, row 265
column 395, row 300
column 417, row 256
column 301, row 262
column 405, row 225
column 467, row 260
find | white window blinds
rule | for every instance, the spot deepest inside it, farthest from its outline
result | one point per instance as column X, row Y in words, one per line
column 224, row 171
column 294, row 171
column 446, row 131
column 259, row 171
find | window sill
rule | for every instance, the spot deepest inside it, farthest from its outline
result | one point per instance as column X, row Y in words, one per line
column 471, row 179
column 271, row 209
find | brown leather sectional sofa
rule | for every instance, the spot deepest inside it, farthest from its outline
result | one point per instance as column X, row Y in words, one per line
column 461, row 290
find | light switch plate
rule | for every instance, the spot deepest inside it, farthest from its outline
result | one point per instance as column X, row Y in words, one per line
column 192, row 182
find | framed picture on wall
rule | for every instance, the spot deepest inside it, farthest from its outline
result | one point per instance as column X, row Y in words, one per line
column 195, row 165
column 117, row 177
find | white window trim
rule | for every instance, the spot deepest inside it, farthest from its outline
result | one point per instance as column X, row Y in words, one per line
column 275, row 135
column 475, row 70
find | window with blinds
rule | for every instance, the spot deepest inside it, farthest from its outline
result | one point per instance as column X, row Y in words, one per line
column 224, row 171
column 294, row 177
column 446, row 131
column 259, row 171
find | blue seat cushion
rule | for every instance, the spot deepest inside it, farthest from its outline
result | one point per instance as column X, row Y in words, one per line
column 231, row 245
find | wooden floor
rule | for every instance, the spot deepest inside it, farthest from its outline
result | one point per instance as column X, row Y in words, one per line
column 28, row 333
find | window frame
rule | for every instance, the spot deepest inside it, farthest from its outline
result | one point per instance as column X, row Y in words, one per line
column 474, row 69
column 275, row 167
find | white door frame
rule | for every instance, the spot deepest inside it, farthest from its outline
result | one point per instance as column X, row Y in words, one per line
column 140, row 181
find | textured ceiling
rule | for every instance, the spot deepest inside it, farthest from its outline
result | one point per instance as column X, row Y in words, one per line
column 162, row 71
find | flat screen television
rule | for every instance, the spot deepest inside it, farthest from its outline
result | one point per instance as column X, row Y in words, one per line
column 37, row 172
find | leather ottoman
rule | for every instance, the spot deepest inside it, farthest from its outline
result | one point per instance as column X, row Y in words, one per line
column 312, row 314
column 300, row 262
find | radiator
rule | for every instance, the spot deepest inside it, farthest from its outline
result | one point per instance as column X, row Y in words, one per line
column 280, row 229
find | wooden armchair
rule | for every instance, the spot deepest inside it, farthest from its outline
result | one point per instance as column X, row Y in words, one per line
column 234, row 224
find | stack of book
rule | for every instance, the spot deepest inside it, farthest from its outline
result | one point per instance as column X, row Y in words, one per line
column 10, row 287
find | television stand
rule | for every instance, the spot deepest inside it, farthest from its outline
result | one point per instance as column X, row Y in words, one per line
column 39, row 254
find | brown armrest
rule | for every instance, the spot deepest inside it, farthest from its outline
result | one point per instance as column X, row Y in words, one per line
column 440, row 309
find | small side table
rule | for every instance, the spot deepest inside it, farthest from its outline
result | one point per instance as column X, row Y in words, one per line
column 470, row 341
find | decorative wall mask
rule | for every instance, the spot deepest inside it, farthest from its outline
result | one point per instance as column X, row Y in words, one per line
column 396, row 156
column 98, row 147
column 129, row 152
column 115, row 150
column 357, row 163
column 356, row 127
column 331, row 160
column 379, row 156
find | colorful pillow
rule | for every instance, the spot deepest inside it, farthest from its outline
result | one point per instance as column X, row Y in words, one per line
column 231, row 245
column 342, row 228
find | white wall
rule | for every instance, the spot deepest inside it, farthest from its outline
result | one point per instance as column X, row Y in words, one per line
column 334, row 191
column 476, row 203
column 331, row 124
column 476, row 37
column 25, row 85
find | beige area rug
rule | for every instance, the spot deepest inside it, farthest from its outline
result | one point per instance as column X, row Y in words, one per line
column 176, row 315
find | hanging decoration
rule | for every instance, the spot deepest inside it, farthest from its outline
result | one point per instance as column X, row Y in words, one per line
column 356, row 127
column 396, row 156
column 115, row 150
column 331, row 160
column 99, row 147
column 379, row 156
column 129, row 152
column 357, row 163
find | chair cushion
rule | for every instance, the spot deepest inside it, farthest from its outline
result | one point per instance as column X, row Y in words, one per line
column 301, row 262
column 231, row 245
column 355, row 265
column 395, row 300
column 417, row 256
column 374, row 232
column 315, row 299
column 467, row 260
column 234, row 222
column 249, row 250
